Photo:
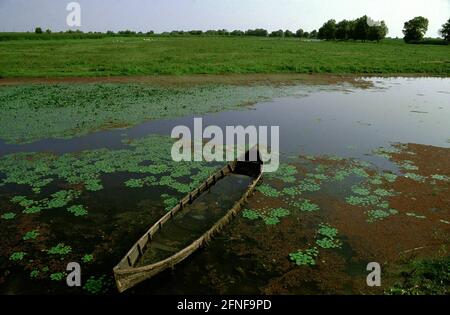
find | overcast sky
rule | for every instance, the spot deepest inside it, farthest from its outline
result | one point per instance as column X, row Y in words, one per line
column 167, row 15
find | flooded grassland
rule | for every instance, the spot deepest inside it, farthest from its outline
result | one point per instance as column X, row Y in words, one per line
column 85, row 169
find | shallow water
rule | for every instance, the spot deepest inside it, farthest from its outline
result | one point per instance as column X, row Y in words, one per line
column 337, row 120
column 195, row 219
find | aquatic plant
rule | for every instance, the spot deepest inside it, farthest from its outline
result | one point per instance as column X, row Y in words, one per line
column 279, row 212
column 415, row 177
column 358, row 171
column 78, row 210
column 31, row 235
column 57, row 276
column 440, row 177
column 274, row 215
column 284, row 173
column 22, row 201
column 387, row 152
column 327, row 231
column 8, row 216
column 270, row 216
column 390, row 177
column 87, row 258
column 379, row 214
column 308, row 185
column 34, row 274
column 169, row 202
column 250, row 214
column 17, row 256
column 340, row 175
column 305, row 257
column 96, row 285
column 407, row 165
column 376, row 180
column 383, row 192
column 60, row 249
column 268, row 191
column 328, row 235
column 271, row 220
column 135, row 183
column 58, row 200
column 319, row 176
column 93, row 185
column 306, row 205
column 360, row 190
column 327, row 243
column 370, row 200
column 291, row 191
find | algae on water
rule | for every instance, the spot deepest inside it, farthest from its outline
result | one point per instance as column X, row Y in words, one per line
column 63, row 111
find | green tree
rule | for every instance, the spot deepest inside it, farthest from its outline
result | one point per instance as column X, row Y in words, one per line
column 445, row 31
column 378, row 31
column 415, row 29
column 328, row 30
column 237, row 33
column 313, row 34
column 300, row 33
column 38, row 30
column 211, row 32
column 257, row 32
column 288, row 33
column 278, row 33
column 343, row 30
column 223, row 32
column 361, row 29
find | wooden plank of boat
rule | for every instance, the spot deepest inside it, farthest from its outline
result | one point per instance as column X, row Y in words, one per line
column 127, row 274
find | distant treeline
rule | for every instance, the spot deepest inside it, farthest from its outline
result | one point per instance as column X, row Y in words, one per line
column 365, row 28
column 361, row 29
column 48, row 34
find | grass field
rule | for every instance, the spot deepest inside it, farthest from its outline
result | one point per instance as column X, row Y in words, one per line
column 122, row 56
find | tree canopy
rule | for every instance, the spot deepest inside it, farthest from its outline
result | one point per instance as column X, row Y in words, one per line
column 328, row 30
column 415, row 29
column 445, row 31
column 363, row 28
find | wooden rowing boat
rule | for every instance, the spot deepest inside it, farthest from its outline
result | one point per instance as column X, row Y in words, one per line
column 129, row 272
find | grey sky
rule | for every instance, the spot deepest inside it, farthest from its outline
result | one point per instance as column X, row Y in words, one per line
column 166, row 15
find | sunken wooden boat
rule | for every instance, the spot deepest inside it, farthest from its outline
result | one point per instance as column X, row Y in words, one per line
column 135, row 267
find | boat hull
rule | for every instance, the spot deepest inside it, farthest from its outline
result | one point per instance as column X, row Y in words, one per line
column 127, row 275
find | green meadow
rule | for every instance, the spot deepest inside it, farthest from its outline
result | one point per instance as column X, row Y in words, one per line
column 128, row 56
